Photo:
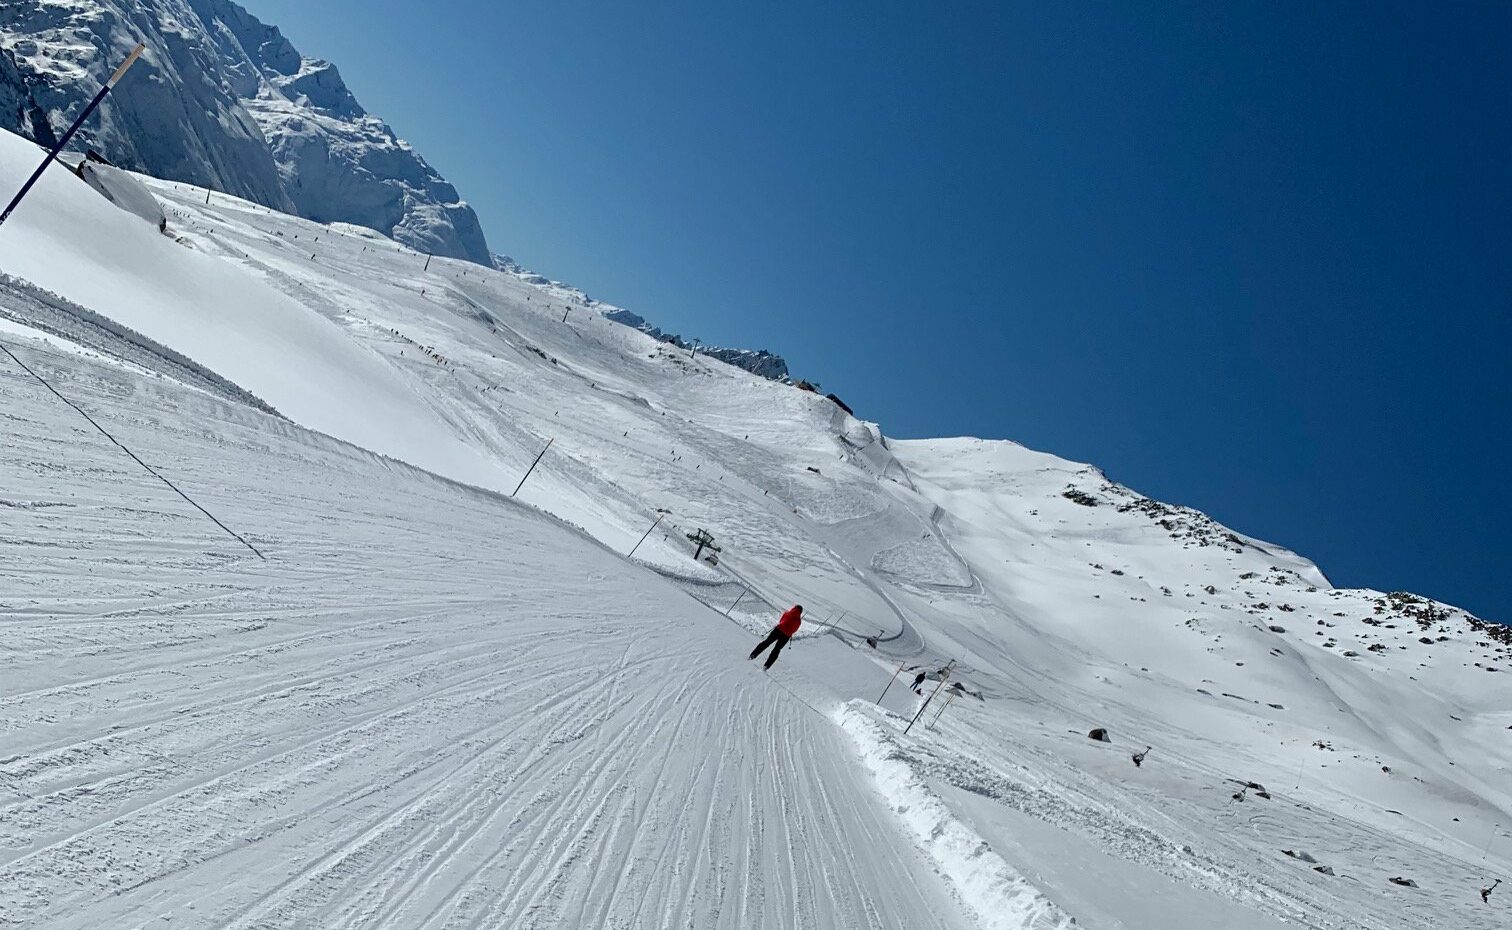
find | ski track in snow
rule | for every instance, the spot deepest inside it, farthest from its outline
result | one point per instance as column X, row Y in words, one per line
column 395, row 722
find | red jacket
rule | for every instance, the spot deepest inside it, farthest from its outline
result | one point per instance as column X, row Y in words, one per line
column 791, row 620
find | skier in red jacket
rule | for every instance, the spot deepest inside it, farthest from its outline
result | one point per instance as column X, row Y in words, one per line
column 792, row 619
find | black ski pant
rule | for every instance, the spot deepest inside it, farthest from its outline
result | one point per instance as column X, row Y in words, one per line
column 776, row 636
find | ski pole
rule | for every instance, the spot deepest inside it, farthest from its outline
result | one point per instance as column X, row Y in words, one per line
column 890, row 683
column 52, row 156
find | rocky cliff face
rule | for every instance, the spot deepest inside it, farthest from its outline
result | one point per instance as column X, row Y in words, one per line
column 756, row 361
column 19, row 110
column 223, row 100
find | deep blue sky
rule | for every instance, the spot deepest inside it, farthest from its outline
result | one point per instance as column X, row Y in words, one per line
column 1250, row 257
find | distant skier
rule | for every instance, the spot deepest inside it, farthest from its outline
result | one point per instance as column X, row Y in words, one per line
column 1486, row 892
column 1139, row 757
column 787, row 625
column 919, row 680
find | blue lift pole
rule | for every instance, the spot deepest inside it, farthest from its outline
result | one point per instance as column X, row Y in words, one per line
column 67, row 136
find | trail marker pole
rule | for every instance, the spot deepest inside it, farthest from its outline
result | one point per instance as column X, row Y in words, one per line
column 427, row 263
column 52, row 156
column 208, row 191
column 890, row 683
column 532, row 467
column 643, row 538
column 743, row 593
column 943, row 707
column 564, row 314
column 944, row 677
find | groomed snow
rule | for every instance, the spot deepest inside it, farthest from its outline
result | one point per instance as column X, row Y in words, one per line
column 430, row 708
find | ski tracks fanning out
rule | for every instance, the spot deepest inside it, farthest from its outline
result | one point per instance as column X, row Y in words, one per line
column 430, row 709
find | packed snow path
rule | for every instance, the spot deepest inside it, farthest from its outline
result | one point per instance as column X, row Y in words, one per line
column 429, row 709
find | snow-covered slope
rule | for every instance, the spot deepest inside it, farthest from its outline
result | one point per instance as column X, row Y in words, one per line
column 712, row 797
column 222, row 99
column 429, row 708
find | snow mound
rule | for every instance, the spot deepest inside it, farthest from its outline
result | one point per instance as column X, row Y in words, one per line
column 125, row 191
column 999, row 896
column 352, row 229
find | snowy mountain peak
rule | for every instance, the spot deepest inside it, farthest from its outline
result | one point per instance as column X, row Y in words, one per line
column 317, row 85
column 257, row 40
column 224, row 100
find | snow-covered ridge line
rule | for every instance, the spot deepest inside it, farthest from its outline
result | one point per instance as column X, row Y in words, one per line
column 24, row 302
column 761, row 362
column 998, row 896
column 757, row 361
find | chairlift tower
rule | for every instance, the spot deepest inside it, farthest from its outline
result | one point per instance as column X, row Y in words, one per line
column 704, row 540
